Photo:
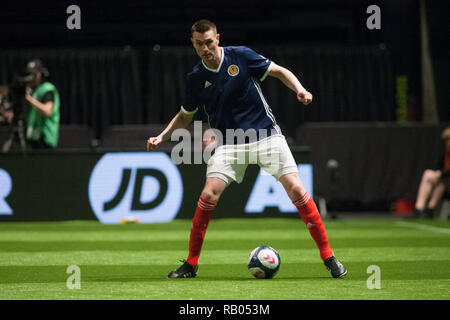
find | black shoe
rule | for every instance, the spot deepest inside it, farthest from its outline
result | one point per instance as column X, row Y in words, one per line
column 185, row 271
column 426, row 213
column 429, row 213
column 420, row 214
column 336, row 268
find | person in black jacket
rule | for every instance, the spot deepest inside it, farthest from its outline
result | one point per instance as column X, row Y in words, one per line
column 435, row 182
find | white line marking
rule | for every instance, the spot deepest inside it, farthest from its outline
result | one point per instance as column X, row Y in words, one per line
column 423, row 227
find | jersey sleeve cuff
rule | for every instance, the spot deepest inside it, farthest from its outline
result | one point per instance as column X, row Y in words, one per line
column 188, row 112
column 267, row 72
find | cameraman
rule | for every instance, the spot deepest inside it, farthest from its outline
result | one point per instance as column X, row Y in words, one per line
column 43, row 116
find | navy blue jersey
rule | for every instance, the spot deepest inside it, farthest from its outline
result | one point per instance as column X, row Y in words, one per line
column 231, row 95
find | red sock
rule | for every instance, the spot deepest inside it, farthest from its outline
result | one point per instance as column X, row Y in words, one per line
column 200, row 223
column 311, row 217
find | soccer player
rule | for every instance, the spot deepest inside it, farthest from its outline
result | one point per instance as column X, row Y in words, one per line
column 225, row 84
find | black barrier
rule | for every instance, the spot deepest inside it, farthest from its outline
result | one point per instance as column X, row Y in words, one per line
column 68, row 186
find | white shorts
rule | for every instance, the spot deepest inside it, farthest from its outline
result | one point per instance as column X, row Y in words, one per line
column 272, row 154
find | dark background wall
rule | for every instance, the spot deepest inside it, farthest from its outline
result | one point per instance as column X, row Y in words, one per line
column 241, row 22
column 128, row 62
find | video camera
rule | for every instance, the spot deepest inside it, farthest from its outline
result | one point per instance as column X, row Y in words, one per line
column 13, row 111
column 16, row 96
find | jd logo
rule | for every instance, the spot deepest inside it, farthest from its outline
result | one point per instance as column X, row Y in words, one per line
column 136, row 203
column 145, row 185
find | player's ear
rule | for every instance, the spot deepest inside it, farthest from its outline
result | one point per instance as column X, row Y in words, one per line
column 217, row 37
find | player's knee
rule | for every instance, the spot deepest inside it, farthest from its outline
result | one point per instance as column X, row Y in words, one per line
column 296, row 191
column 430, row 176
column 210, row 195
column 426, row 174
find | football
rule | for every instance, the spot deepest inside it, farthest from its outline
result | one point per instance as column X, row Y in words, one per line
column 264, row 262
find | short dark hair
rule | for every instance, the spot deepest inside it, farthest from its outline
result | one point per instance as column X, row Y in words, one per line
column 202, row 26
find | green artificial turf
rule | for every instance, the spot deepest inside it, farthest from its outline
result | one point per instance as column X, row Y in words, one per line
column 132, row 261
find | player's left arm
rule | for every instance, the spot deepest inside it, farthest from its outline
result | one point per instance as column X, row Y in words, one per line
column 290, row 81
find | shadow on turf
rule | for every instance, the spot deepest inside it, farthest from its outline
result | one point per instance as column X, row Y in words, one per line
column 218, row 272
column 131, row 273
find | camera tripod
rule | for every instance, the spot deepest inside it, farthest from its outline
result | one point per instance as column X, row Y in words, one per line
column 16, row 129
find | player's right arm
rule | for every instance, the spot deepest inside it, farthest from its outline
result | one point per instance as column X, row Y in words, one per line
column 181, row 120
